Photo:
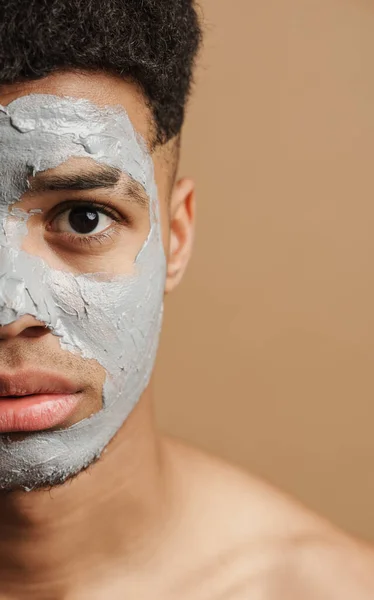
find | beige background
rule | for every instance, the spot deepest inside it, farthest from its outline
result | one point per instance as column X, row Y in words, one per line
column 267, row 353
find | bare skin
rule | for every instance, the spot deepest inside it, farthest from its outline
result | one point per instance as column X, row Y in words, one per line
column 153, row 518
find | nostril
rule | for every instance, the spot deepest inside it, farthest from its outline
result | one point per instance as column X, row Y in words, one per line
column 35, row 331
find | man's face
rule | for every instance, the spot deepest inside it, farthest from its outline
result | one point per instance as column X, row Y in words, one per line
column 82, row 269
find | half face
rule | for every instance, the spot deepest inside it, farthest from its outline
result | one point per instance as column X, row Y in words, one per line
column 82, row 276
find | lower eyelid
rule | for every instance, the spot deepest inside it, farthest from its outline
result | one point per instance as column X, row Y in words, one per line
column 98, row 238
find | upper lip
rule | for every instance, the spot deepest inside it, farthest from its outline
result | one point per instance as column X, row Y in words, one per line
column 30, row 382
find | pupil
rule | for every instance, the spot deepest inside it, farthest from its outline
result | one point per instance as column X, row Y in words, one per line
column 83, row 220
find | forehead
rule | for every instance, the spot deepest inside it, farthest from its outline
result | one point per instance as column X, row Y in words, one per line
column 102, row 89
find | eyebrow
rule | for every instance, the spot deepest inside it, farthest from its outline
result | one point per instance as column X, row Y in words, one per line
column 102, row 177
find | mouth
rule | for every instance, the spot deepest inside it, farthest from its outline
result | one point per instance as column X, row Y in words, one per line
column 35, row 401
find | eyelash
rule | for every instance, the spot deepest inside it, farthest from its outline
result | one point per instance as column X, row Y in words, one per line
column 102, row 207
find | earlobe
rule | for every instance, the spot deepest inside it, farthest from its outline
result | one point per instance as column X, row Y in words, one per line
column 182, row 225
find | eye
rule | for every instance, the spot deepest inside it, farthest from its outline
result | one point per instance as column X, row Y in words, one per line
column 82, row 220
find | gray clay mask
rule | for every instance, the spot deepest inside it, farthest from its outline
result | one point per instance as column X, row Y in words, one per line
column 115, row 321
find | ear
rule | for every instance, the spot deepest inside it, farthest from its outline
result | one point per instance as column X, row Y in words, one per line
column 182, row 226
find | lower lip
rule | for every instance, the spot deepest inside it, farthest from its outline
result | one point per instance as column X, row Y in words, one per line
column 36, row 412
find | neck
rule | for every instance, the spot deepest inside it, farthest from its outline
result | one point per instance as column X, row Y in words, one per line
column 53, row 541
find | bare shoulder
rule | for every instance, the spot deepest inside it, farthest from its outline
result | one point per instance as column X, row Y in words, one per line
column 245, row 537
column 330, row 567
column 240, row 502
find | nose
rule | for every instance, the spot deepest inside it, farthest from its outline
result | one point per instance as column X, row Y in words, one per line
column 25, row 326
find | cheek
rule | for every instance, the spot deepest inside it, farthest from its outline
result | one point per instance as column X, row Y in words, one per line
column 165, row 226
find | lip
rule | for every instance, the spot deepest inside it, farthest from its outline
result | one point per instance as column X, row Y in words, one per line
column 35, row 400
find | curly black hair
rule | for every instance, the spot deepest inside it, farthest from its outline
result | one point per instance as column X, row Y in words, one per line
column 151, row 42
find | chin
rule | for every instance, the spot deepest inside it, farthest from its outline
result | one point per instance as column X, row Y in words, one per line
column 48, row 483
